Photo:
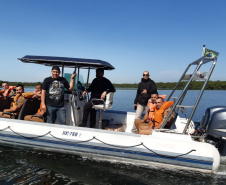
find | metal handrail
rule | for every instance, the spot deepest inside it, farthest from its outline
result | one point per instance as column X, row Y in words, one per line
column 200, row 95
column 199, row 62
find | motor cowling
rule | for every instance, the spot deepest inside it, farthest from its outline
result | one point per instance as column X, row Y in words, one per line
column 214, row 121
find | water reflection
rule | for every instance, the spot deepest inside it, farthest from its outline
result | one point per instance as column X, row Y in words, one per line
column 26, row 167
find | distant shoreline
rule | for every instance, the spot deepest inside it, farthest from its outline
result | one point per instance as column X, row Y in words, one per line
column 195, row 85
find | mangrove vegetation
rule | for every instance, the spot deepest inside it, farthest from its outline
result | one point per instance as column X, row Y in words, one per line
column 211, row 85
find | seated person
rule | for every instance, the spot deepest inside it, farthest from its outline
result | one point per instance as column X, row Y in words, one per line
column 38, row 117
column 38, row 91
column 17, row 104
column 7, row 89
column 99, row 87
column 154, row 120
column 151, row 102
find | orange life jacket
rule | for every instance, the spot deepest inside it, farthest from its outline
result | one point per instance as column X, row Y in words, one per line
column 28, row 95
column 152, row 106
column 158, row 114
column 1, row 93
column 151, row 110
column 15, row 101
column 6, row 93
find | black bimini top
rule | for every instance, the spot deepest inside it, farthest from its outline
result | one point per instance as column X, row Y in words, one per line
column 67, row 62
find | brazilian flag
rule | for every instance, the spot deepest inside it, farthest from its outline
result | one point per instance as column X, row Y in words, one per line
column 210, row 53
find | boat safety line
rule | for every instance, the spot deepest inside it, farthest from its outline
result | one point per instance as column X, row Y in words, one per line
column 5, row 128
column 94, row 138
column 29, row 137
column 167, row 156
column 142, row 144
column 117, row 145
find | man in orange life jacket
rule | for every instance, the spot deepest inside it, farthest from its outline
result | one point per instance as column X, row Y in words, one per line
column 159, row 115
column 8, row 90
column 18, row 102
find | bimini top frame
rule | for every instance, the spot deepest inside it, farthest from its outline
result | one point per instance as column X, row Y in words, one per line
column 67, row 62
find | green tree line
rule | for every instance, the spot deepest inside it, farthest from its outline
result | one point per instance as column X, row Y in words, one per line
column 195, row 85
column 211, row 85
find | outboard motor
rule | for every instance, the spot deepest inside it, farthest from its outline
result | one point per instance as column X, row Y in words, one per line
column 214, row 123
column 208, row 115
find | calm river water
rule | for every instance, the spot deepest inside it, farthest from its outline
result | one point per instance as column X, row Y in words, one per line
column 27, row 167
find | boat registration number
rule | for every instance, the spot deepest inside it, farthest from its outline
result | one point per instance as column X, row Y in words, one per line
column 74, row 134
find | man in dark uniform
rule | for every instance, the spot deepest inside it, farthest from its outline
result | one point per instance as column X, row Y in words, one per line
column 99, row 87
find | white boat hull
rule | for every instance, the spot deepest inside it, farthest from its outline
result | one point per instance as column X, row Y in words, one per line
column 159, row 149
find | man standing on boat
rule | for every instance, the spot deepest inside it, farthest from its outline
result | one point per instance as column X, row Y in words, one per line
column 145, row 88
column 52, row 97
column 99, row 87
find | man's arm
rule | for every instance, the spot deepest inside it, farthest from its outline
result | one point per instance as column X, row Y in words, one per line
column 145, row 118
column 40, row 113
column 43, row 98
column 137, row 95
column 13, row 109
column 110, row 88
column 17, row 106
column 89, row 89
column 103, row 95
column 72, row 81
column 37, row 93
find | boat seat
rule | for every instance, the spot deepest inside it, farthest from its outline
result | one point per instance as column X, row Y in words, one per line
column 5, row 103
column 39, row 116
column 30, row 107
column 103, row 105
column 11, row 115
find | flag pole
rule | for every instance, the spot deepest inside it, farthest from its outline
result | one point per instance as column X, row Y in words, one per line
column 203, row 50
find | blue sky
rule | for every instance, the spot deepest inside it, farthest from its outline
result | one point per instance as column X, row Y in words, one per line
column 133, row 35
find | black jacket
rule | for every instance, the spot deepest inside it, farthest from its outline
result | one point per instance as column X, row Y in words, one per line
column 151, row 88
column 98, row 86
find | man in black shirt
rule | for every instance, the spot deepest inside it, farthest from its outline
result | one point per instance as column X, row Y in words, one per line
column 99, row 87
column 53, row 95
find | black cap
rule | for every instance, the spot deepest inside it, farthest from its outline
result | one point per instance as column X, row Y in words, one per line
column 55, row 68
